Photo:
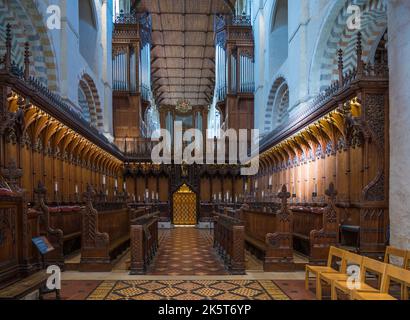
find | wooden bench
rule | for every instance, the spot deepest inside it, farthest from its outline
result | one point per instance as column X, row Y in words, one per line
column 105, row 235
column 68, row 220
column 22, row 288
column 305, row 219
column 316, row 229
column 269, row 235
column 60, row 224
column 144, row 242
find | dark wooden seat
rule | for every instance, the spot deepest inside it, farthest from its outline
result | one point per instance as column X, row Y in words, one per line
column 71, row 236
column 22, row 288
column 115, row 244
column 105, row 234
column 258, row 244
column 301, row 236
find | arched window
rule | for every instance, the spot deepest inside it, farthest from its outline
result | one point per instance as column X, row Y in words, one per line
column 88, row 31
column 83, row 103
column 89, row 102
column 121, row 7
column 151, row 120
column 277, row 111
column 214, row 122
column 281, row 105
column 278, row 39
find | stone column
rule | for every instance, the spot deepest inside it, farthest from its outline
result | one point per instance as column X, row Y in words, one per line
column 399, row 51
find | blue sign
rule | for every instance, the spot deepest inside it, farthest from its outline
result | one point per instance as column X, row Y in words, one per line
column 43, row 245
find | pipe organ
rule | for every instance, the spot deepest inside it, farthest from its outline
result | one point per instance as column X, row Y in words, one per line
column 234, row 86
column 131, row 71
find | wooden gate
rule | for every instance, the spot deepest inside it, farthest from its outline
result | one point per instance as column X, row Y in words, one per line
column 184, row 206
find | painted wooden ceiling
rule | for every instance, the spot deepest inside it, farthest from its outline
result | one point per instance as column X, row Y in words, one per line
column 183, row 51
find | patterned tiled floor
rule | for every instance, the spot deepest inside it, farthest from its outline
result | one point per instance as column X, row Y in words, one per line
column 188, row 290
column 186, row 251
column 182, row 289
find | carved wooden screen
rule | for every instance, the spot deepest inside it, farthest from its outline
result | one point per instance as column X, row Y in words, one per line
column 184, row 206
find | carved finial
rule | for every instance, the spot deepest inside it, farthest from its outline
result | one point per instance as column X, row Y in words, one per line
column 359, row 52
column 41, row 189
column 26, row 61
column 89, row 194
column 284, row 195
column 340, row 66
column 125, row 147
column 40, row 193
column 7, row 58
column 331, row 192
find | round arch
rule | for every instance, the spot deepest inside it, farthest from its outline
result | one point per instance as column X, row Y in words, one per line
column 277, row 108
column 335, row 34
column 27, row 24
column 92, row 101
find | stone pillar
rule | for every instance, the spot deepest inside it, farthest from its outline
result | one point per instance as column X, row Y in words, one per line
column 399, row 51
column 106, row 42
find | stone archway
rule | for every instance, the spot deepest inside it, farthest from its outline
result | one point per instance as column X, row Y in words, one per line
column 89, row 88
column 336, row 35
column 277, row 106
column 28, row 25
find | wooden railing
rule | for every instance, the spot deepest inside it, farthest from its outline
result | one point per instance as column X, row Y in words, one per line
column 104, row 235
column 144, row 242
column 229, row 242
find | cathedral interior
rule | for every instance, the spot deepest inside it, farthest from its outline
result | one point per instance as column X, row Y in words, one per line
column 204, row 150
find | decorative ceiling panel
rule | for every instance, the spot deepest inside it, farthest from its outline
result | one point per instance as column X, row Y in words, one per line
column 183, row 53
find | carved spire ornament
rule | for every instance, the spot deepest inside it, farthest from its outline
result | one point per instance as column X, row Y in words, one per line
column 359, row 51
column 12, row 174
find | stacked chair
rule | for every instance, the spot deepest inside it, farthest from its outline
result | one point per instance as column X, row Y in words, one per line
column 338, row 274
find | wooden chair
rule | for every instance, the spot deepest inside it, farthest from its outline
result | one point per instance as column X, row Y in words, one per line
column 328, row 278
column 395, row 252
column 405, row 290
column 316, row 270
column 368, row 265
column 392, row 273
column 400, row 254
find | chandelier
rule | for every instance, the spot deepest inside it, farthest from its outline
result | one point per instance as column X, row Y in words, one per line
column 183, row 106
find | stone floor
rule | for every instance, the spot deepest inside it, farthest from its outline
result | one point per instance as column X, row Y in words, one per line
column 186, row 251
column 185, row 267
column 184, row 290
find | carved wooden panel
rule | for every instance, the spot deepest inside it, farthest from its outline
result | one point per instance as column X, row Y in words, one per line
column 8, row 241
